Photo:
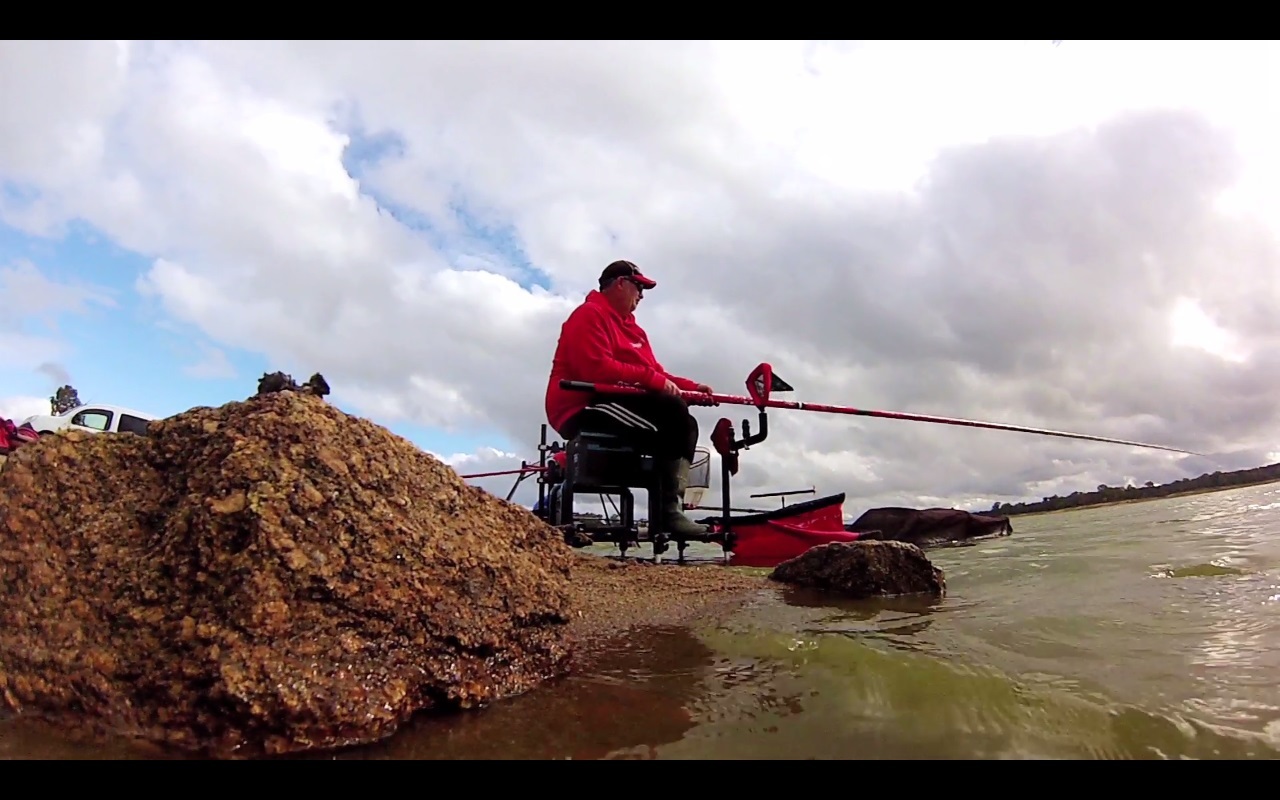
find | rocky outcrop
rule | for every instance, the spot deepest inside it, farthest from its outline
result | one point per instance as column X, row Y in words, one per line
column 268, row 576
column 929, row 526
column 271, row 382
column 864, row 569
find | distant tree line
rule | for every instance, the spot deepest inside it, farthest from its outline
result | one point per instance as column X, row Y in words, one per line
column 1111, row 494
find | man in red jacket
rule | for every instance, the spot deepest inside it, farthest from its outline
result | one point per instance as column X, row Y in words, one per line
column 601, row 342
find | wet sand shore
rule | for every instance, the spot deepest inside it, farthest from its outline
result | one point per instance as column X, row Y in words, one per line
column 610, row 596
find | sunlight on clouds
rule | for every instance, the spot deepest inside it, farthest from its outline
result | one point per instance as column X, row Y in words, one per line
column 1191, row 327
column 300, row 146
column 1257, row 193
column 766, row 88
column 464, row 296
column 429, row 402
column 185, row 295
column 467, row 262
column 872, row 115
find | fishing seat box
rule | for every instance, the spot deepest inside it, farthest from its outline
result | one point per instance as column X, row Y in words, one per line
column 599, row 461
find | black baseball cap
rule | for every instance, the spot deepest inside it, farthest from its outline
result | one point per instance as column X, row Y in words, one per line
column 625, row 269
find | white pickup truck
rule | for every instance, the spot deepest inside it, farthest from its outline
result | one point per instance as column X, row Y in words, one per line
column 94, row 418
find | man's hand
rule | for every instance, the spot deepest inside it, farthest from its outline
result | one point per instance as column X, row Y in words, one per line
column 671, row 389
column 702, row 387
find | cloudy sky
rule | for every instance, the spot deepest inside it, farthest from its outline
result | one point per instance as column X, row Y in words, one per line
column 1078, row 236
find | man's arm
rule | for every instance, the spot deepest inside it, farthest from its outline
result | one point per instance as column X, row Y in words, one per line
column 683, row 383
column 596, row 353
column 687, row 384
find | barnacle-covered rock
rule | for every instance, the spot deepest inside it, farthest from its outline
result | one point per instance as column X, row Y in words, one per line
column 268, row 576
column 864, row 569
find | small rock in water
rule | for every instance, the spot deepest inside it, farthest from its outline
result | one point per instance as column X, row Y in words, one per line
column 864, row 569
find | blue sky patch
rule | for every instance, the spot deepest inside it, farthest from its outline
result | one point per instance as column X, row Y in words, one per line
column 484, row 236
column 133, row 355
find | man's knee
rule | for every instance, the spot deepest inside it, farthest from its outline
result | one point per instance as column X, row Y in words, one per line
column 677, row 427
column 671, row 407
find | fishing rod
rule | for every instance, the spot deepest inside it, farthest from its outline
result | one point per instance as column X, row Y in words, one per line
column 762, row 382
column 520, row 471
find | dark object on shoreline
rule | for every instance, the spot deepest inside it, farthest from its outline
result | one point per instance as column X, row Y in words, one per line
column 64, row 399
column 268, row 576
column 928, row 526
column 280, row 382
column 864, row 569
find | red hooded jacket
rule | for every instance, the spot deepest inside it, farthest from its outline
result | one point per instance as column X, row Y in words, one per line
column 600, row 345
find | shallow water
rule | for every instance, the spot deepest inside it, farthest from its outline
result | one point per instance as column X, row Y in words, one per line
column 1147, row 630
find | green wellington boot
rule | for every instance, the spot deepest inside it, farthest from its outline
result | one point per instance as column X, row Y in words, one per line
column 674, row 522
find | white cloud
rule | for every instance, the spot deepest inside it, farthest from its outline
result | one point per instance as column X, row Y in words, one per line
column 19, row 407
column 997, row 230
column 213, row 365
column 484, row 455
column 33, row 294
column 29, row 296
column 1193, row 328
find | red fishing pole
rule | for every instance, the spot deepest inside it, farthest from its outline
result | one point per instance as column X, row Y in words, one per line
column 520, row 471
column 762, row 382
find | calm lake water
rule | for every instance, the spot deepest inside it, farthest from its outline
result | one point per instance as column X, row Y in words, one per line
column 1149, row 630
